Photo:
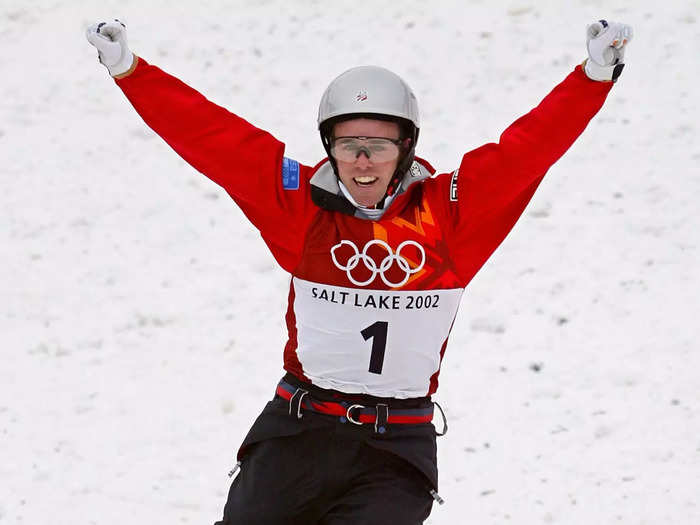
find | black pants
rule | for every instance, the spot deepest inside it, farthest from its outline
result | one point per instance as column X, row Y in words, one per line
column 318, row 471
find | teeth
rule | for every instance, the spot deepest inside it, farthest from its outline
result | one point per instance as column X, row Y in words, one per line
column 365, row 180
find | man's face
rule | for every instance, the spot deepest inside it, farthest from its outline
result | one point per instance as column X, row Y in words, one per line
column 362, row 173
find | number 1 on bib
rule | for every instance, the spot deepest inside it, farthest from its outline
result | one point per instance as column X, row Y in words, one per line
column 377, row 332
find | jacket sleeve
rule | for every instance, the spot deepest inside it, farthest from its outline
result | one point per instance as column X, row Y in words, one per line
column 494, row 183
column 247, row 162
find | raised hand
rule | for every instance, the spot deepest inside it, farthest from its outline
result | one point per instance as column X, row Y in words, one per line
column 110, row 40
column 606, row 42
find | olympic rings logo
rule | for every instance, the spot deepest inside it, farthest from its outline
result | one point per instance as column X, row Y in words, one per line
column 386, row 263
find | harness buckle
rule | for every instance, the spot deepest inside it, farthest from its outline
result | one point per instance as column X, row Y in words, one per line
column 295, row 402
column 380, row 423
column 348, row 413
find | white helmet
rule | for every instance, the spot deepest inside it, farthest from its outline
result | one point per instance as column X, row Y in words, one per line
column 371, row 92
column 368, row 89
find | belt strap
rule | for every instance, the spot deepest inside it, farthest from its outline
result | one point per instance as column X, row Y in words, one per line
column 380, row 415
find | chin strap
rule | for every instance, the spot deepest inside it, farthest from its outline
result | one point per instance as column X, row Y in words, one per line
column 401, row 169
column 375, row 212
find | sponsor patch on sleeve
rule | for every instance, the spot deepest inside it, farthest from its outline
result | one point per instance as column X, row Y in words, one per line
column 453, row 185
column 290, row 174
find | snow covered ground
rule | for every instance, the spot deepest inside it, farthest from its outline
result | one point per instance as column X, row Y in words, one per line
column 141, row 315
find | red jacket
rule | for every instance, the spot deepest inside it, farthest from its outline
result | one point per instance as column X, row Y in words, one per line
column 371, row 303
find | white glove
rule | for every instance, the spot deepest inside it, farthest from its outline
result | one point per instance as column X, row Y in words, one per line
column 606, row 49
column 110, row 40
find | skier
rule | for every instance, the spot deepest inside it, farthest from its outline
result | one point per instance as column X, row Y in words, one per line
column 379, row 249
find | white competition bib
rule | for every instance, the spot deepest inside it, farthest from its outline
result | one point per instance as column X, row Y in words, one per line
column 381, row 342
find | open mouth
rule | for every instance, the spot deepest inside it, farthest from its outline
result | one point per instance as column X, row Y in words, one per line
column 365, row 181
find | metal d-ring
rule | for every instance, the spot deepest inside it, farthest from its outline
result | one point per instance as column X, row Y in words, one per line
column 348, row 413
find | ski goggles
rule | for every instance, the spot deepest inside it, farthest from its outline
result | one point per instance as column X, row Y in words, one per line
column 377, row 149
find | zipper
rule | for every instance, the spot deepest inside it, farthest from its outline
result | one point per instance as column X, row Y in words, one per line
column 437, row 497
column 235, row 469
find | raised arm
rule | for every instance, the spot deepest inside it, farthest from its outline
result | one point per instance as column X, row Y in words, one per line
column 247, row 162
column 495, row 182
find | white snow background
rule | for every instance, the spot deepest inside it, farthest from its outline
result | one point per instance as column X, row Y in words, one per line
column 141, row 315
